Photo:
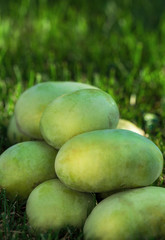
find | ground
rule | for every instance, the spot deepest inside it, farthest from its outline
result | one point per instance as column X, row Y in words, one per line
column 115, row 45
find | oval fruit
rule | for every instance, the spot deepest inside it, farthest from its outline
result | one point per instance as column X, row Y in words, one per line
column 127, row 125
column 107, row 160
column 78, row 112
column 34, row 100
column 14, row 134
column 52, row 206
column 134, row 214
column 24, row 165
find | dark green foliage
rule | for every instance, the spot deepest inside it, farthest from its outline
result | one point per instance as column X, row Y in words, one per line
column 117, row 45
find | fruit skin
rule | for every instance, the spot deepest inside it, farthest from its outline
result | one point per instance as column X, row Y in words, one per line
column 127, row 125
column 107, row 160
column 14, row 134
column 25, row 165
column 133, row 214
column 34, row 100
column 78, row 112
column 103, row 195
column 51, row 205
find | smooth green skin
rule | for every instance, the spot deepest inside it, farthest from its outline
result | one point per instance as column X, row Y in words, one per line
column 137, row 214
column 34, row 100
column 25, row 165
column 78, row 112
column 127, row 125
column 14, row 134
column 107, row 160
column 52, row 206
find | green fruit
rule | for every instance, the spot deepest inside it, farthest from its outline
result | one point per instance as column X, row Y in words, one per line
column 151, row 121
column 14, row 134
column 33, row 102
column 107, row 160
column 78, row 112
column 137, row 214
column 25, row 165
column 52, row 206
column 103, row 195
column 125, row 124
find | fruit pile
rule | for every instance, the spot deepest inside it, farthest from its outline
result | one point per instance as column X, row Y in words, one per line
column 70, row 150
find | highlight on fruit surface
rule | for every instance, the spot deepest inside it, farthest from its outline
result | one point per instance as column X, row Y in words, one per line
column 25, row 165
column 34, row 100
column 107, row 160
column 14, row 134
column 53, row 206
column 127, row 125
column 133, row 214
column 81, row 111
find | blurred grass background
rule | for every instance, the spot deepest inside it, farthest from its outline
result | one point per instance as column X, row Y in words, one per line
column 117, row 45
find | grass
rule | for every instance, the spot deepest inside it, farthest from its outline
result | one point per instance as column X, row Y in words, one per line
column 115, row 45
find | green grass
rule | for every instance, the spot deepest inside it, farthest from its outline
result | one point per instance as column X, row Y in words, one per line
column 116, row 45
